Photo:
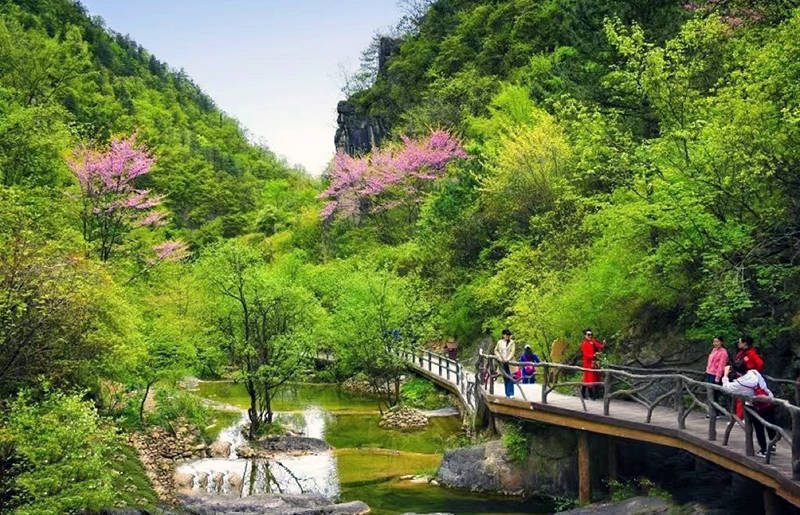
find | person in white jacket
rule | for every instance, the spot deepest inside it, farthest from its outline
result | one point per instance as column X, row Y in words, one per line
column 751, row 382
column 504, row 351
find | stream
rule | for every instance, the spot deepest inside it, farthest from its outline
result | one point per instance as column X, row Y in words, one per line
column 366, row 462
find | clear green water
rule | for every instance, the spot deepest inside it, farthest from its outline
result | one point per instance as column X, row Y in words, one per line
column 371, row 460
column 293, row 397
column 362, row 431
column 394, row 497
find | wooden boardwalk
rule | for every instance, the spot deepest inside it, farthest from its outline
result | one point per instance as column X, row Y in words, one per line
column 624, row 418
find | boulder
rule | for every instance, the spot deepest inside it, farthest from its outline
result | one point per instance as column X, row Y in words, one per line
column 632, row 506
column 220, row 449
column 488, row 468
column 236, row 482
column 183, row 480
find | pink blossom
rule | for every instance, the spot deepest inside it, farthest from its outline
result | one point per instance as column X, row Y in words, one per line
column 171, row 250
column 112, row 205
column 372, row 183
column 153, row 219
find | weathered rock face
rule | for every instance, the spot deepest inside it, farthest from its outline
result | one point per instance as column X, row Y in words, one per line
column 403, row 418
column 276, row 504
column 357, row 131
column 487, row 467
column 632, row 506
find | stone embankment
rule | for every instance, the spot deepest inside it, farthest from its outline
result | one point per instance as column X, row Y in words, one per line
column 160, row 451
column 291, row 445
column 403, row 418
column 275, row 504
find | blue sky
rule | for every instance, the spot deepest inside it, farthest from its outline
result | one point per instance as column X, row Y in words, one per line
column 272, row 64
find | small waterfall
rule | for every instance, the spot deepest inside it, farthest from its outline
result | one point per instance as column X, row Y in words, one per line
column 314, row 423
column 233, row 435
column 312, row 473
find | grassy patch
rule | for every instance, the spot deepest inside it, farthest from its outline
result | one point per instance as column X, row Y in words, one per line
column 131, row 484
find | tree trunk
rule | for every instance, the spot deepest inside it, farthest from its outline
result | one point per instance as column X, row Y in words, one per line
column 252, row 413
column 268, row 406
column 144, row 399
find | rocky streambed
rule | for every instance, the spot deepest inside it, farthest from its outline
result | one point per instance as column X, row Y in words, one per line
column 337, row 454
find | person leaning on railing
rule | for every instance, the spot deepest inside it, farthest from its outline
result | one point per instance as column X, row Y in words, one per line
column 751, row 382
column 504, row 352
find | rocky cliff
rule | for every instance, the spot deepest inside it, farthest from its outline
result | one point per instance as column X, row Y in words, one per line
column 358, row 131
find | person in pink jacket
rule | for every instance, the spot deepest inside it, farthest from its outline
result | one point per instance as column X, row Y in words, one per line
column 715, row 369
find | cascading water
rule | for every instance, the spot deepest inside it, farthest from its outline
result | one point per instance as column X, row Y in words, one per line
column 311, row 473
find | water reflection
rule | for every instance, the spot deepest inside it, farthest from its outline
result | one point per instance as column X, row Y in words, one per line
column 314, row 473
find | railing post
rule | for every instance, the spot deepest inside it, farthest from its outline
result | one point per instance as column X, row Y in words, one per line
column 458, row 373
column 749, row 449
column 795, row 443
column 545, row 384
column 439, row 358
column 490, row 370
column 679, row 402
column 606, row 393
column 430, row 362
column 712, row 413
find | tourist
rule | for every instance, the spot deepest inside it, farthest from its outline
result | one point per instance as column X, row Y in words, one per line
column 751, row 382
column 717, row 360
column 528, row 371
column 504, row 352
column 747, row 354
column 590, row 348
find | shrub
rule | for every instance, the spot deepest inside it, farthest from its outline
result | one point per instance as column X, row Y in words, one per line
column 516, row 442
column 419, row 393
column 64, row 450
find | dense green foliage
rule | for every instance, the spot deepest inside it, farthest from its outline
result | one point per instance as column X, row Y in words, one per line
column 632, row 170
column 630, row 166
column 420, row 393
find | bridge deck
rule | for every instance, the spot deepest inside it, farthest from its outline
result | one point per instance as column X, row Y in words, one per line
column 627, row 419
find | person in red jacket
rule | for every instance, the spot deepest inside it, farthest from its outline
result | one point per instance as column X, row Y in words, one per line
column 746, row 354
column 589, row 350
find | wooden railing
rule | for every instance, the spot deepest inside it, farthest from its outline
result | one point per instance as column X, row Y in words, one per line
column 678, row 391
column 448, row 369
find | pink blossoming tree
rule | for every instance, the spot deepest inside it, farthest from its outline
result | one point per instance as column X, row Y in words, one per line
column 111, row 204
column 388, row 178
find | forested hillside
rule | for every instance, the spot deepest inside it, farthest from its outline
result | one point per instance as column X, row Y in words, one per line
column 552, row 165
column 632, row 169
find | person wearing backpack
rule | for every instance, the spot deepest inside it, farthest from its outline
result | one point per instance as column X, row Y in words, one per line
column 751, row 382
column 528, row 371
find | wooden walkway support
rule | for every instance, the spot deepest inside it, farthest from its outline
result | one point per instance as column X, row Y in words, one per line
column 665, row 407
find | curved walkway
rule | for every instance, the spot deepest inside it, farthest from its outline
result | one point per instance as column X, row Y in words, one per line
column 666, row 409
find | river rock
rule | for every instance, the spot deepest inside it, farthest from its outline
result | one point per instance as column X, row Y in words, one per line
column 217, row 480
column 632, row 506
column 549, row 470
column 220, row 449
column 276, row 504
column 183, row 480
column 403, row 418
column 236, row 482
